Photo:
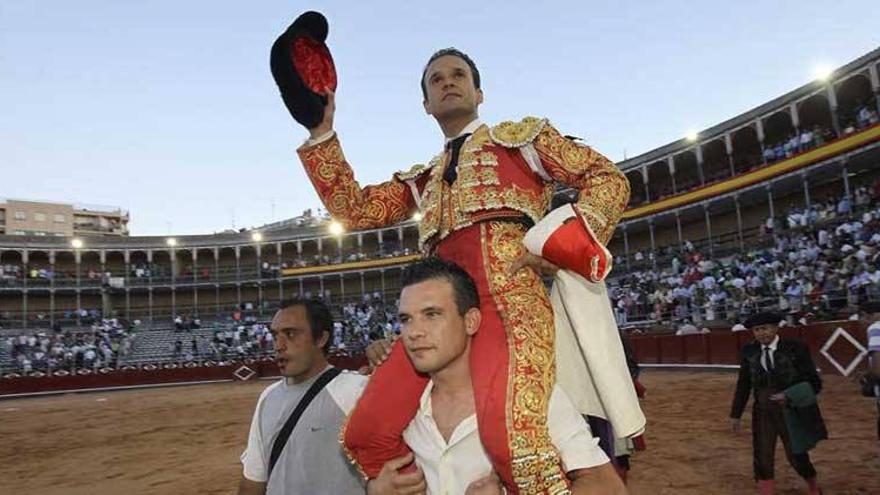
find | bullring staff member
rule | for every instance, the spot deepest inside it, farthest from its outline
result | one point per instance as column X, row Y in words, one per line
column 309, row 460
column 784, row 382
column 871, row 380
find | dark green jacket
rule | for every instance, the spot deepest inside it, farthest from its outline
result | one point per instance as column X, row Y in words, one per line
column 802, row 418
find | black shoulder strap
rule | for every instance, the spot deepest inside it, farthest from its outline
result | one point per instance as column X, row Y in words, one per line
column 287, row 429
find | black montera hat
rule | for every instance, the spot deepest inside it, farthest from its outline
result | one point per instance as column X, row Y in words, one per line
column 763, row 318
column 303, row 68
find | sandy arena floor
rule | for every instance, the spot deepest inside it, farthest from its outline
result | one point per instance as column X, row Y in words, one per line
column 188, row 439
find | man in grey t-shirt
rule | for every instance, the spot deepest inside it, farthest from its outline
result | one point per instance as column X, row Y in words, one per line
column 312, row 460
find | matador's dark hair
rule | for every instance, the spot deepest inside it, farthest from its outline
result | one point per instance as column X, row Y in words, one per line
column 454, row 52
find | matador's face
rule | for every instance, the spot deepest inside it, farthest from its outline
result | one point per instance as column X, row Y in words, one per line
column 451, row 91
column 765, row 334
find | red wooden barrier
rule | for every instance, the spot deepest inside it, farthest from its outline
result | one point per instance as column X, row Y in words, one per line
column 718, row 347
column 723, row 346
column 144, row 377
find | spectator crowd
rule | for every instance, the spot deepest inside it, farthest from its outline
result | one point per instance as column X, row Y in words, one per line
column 99, row 347
column 814, row 262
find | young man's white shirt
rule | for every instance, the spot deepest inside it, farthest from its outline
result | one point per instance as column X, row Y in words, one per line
column 449, row 467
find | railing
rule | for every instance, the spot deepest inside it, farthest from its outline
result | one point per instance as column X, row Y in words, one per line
column 247, row 273
column 207, row 311
column 748, row 163
column 728, row 243
column 824, row 306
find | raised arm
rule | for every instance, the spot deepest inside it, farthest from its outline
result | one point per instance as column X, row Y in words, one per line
column 357, row 207
column 331, row 175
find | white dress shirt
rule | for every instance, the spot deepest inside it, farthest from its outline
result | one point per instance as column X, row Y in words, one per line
column 772, row 348
column 468, row 129
column 450, row 467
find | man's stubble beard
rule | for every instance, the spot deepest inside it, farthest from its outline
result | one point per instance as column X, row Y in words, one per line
column 456, row 113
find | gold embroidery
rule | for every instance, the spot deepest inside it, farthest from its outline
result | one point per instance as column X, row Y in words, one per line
column 358, row 208
column 347, row 452
column 412, row 173
column 517, row 134
column 467, row 160
column 604, row 190
column 449, row 209
column 476, row 175
column 488, row 159
column 431, row 204
column 528, row 319
column 602, row 203
column 478, row 139
column 572, row 157
column 488, row 177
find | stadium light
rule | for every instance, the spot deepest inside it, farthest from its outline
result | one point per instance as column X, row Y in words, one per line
column 171, row 241
column 823, row 72
column 336, row 228
column 692, row 136
column 417, row 217
column 76, row 243
column 257, row 237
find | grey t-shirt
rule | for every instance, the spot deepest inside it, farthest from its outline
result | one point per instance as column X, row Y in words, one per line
column 312, row 461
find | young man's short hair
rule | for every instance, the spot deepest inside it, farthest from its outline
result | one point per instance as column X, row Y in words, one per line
column 454, row 52
column 433, row 268
column 319, row 316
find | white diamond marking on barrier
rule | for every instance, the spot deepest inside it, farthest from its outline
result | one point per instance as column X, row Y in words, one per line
column 855, row 343
column 244, row 373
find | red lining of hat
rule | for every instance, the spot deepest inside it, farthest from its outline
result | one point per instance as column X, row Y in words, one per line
column 315, row 65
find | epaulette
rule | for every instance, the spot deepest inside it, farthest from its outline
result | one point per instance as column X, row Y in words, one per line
column 517, row 134
column 412, row 173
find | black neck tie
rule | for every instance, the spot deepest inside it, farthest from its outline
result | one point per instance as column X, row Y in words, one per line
column 768, row 360
column 454, row 148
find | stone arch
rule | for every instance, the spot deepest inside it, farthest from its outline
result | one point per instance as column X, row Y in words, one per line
column 778, row 128
column 115, row 263
column 638, row 193
column 161, row 266
column 248, row 261
column 38, row 269
column 687, row 173
column 659, row 180
column 205, row 264
column 716, row 165
column 746, row 149
column 90, row 271
column 853, row 93
column 815, row 116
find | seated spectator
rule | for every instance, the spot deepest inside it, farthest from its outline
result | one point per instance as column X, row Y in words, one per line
column 864, row 117
column 687, row 329
column 806, row 140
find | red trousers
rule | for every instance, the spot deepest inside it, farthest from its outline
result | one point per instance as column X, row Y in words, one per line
column 512, row 370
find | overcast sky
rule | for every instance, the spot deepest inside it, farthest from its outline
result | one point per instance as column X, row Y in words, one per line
column 168, row 109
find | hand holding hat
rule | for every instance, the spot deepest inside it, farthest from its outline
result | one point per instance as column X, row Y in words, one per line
column 303, row 69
